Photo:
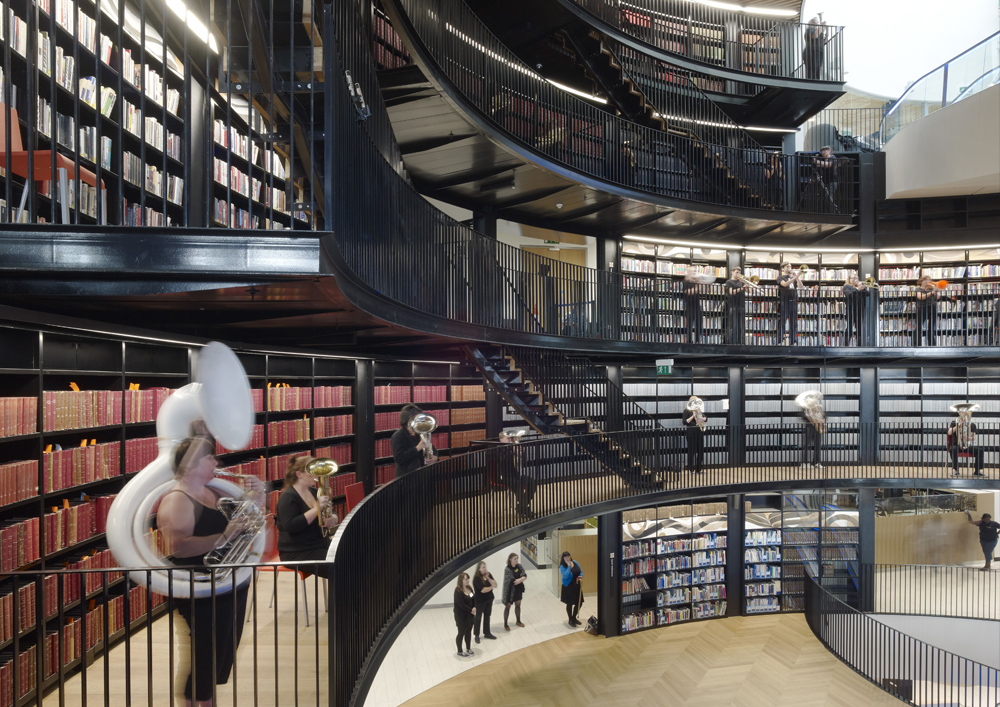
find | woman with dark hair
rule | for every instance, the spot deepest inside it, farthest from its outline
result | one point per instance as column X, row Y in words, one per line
column 572, row 587
column 483, row 585
column 513, row 589
column 300, row 532
column 407, row 446
column 192, row 526
column 465, row 612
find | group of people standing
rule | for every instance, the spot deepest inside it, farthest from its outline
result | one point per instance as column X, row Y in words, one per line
column 473, row 602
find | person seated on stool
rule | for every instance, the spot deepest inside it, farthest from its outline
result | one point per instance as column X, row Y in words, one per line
column 954, row 448
column 300, row 530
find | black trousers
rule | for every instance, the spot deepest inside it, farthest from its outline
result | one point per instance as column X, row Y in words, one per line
column 975, row 452
column 788, row 311
column 210, row 619
column 811, row 444
column 483, row 613
column 288, row 559
column 693, row 319
column 926, row 316
column 735, row 318
column 695, row 448
column 464, row 632
column 855, row 315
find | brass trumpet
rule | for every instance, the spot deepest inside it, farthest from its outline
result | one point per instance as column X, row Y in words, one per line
column 870, row 282
column 753, row 281
column 323, row 470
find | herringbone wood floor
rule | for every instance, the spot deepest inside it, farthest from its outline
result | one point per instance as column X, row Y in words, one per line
column 756, row 661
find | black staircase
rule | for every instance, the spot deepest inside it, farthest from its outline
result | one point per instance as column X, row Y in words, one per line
column 557, row 393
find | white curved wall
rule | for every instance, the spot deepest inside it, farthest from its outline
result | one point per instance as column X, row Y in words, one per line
column 952, row 152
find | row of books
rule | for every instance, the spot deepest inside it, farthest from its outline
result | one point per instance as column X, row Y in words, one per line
column 75, row 522
column 430, row 393
column 465, row 438
column 18, row 481
column 26, row 675
column 70, row 409
column 637, row 567
column 756, row 538
column 136, row 215
column 18, row 543
column 333, row 426
column 666, row 267
column 634, row 585
column 258, row 440
column 914, row 273
column 144, row 405
column 330, row 396
column 80, row 465
column 762, row 572
column 18, row 416
column 240, row 144
column 340, row 453
column 288, row 431
column 226, row 214
column 762, row 589
column 392, row 394
column 468, row 416
column 280, row 398
column 384, row 473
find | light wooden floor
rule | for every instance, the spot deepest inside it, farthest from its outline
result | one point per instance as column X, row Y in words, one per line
column 757, row 661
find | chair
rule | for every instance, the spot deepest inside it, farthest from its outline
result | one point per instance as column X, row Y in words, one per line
column 271, row 555
column 355, row 493
column 42, row 164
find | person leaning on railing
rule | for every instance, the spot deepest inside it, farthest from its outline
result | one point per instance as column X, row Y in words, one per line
column 192, row 526
column 407, row 446
column 300, row 533
column 989, row 530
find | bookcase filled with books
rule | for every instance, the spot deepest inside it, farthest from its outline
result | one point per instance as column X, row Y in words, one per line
column 769, row 404
column 106, row 109
column 821, row 307
column 452, row 392
column 673, row 565
column 789, row 535
column 965, row 308
column 251, row 173
column 653, row 302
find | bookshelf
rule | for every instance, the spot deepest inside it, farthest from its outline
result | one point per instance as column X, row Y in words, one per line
column 536, row 549
column 673, row 564
column 652, row 299
column 965, row 308
column 787, row 536
column 452, row 392
column 822, row 311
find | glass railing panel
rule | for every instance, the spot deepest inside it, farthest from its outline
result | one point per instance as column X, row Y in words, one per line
column 966, row 71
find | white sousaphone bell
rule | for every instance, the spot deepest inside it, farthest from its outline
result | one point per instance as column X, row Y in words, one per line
column 221, row 398
column 811, row 402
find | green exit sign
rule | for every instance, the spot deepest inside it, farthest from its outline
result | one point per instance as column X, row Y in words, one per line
column 664, row 366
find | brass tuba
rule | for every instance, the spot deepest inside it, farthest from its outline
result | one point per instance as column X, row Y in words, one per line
column 963, row 426
column 423, row 424
column 323, row 470
column 697, row 406
column 221, row 398
column 811, row 402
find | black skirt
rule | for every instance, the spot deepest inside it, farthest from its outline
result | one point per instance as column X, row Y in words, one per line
column 571, row 594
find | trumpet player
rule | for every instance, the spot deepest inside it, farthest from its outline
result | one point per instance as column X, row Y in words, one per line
column 692, row 306
column 927, row 294
column 192, row 526
column 695, row 420
column 789, row 284
column 407, row 447
column 736, row 299
column 855, row 299
column 300, row 519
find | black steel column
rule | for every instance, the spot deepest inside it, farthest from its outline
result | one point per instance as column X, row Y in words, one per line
column 735, row 418
column 868, row 433
column 866, row 548
column 364, row 424
column 734, row 555
column 614, row 414
column 494, row 413
column 609, row 549
column 609, row 295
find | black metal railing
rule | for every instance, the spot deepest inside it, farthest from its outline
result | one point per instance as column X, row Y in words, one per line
column 728, row 40
column 916, row 672
column 932, row 590
column 583, row 135
column 451, row 508
column 846, row 129
column 62, row 620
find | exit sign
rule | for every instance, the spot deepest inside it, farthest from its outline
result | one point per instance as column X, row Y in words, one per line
column 664, row 366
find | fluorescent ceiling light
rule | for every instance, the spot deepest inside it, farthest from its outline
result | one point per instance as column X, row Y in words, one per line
column 940, row 247
column 733, row 7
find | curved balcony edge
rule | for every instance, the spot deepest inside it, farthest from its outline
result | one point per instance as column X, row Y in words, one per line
column 682, row 61
column 454, row 96
column 479, row 520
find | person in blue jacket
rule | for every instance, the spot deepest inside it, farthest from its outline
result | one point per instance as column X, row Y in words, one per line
column 572, row 587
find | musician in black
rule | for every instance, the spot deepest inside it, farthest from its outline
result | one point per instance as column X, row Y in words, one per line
column 692, row 306
column 956, row 430
column 695, row 434
column 788, row 303
column 812, row 442
column 407, row 446
column 855, row 298
column 927, row 295
column 736, row 299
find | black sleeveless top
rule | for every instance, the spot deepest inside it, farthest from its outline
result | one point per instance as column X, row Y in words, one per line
column 207, row 521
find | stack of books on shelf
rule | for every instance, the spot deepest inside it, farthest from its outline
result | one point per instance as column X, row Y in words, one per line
column 80, row 465
column 144, row 405
column 392, row 394
column 329, row 396
column 385, row 421
column 467, row 392
column 18, row 481
column 333, row 426
column 281, row 398
column 18, row 543
column 288, row 431
column 468, row 416
column 340, row 453
column 68, row 410
column 18, row 416
column 139, row 453
column 430, row 393
column 257, row 441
